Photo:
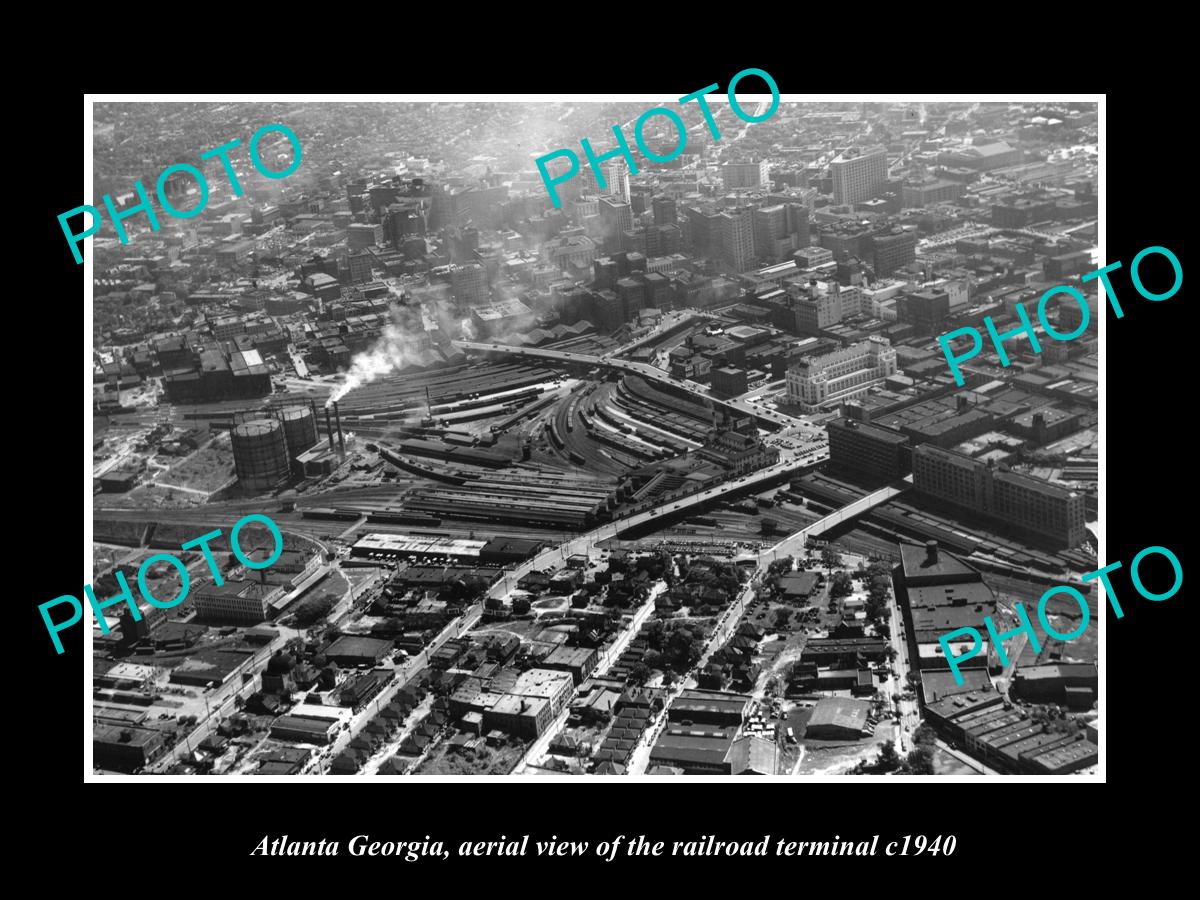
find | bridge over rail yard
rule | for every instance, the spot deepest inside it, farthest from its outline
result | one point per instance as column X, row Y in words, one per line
column 763, row 416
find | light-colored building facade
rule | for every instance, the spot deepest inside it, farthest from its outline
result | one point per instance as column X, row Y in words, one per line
column 469, row 284
column 616, row 180
column 858, row 176
column 566, row 252
column 236, row 602
column 745, row 175
column 822, row 382
column 538, row 696
column 737, row 237
column 1048, row 510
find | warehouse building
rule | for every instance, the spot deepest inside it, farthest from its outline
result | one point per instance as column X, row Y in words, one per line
column 701, row 736
column 209, row 666
column 236, row 602
column 304, row 729
column 399, row 546
column 868, row 450
column 532, row 704
column 1070, row 684
column 847, row 652
column 698, row 750
column 1066, row 758
column 839, row 718
column 710, row 708
column 501, row 551
column 579, row 661
column 1038, row 509
column 125, row 748
column 948, row 714
column 937, row 593
column 356, row 650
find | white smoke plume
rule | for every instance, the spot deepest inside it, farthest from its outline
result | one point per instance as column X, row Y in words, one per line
column 403, row 341
column 406, row 342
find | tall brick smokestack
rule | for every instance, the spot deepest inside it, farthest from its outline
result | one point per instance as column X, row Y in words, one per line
column 341, row 441
column 329, row 428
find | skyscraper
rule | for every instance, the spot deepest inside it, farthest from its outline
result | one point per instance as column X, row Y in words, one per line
column 737, row 237
column 665, row 210
column 893, row 250
column 858, row 175
column 616, row 180
column 771, row 239
column 469, row 284
column 617, row 217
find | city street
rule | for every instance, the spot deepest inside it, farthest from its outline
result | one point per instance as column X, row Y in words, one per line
column 404, row 672
column 910, row 713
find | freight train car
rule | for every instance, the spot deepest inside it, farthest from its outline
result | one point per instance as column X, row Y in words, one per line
column 322, row 512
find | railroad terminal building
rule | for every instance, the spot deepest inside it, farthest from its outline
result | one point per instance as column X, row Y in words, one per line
column 822, row 382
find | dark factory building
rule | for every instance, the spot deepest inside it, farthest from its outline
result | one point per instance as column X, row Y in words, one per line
column 217, row 375
column 868, row 450
column 437, row 450
column 500, row 551
column 938, row 592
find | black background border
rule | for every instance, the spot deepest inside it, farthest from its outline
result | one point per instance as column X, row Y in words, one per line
column 1144, row 396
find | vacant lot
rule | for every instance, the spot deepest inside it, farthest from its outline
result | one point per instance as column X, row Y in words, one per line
column 204, row 470
column 482, row 760
column 945, row 764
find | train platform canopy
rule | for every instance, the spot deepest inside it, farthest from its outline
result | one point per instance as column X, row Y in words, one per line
column 401, row 545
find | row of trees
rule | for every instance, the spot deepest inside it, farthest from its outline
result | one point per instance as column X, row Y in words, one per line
column 918, row 761
column 313, row 610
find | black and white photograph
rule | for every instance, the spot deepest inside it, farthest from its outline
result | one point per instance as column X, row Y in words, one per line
column 719, row 433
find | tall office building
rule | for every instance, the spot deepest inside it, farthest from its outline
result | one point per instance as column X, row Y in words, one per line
column 770, row 232
column 858, row 175
column 662, row 240
column 584, row 207
column 924, row 310
column 893, row 250
column 568, row 253
column 822, row 382
column 823, row 304
column 702, row 231
column 469, row 284
column 360, row 236
column 798, row 215
column 737, row 237
column 818, row 306
column 666, row 212
column 616, row 180
column 780, row 230
column 617, row 217
column 745, row 175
